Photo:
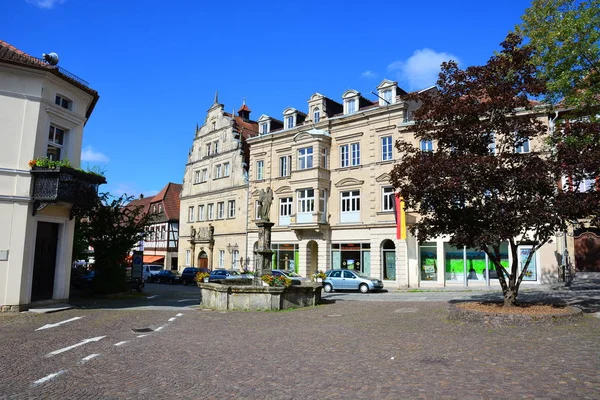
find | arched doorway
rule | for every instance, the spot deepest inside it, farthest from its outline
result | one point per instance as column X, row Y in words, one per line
column 388, row 257
column 312, row 258
column 587, row 250
column 202, row 260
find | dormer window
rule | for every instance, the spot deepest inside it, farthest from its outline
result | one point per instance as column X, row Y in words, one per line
column 350, row 101
column 292, row 118
column 351, row 106
column 264, row 129
column 388, row 91
column 316, row 115
column 387, row 96
column 289, row 122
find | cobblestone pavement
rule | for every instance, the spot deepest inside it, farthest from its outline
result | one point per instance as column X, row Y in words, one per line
column 339, row 350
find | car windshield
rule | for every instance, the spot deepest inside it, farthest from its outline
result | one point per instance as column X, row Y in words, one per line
column 155, row 268
column 360, row 274
column 233, row 273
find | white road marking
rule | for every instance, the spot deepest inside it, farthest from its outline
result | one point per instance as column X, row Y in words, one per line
column 88, row 358
column 181, row 301
column 85, row 341
column 172, row 319
column 121, row 343
column 151, row 297
column 47, row 378
column 158, row 329
column 142, row 335
column 47, row 326
column 179, row 315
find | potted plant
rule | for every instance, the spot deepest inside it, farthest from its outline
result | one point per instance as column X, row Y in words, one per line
column 202, row 276
column 319, row 276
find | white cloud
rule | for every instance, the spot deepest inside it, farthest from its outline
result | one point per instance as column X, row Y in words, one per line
column 88, row 154
column 422, row 68
column 368, row 74
column 46, row 4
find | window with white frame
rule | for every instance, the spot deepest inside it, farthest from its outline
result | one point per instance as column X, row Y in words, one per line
column 201, row 212
column 56, row 138
column 523, row 147
column 351, row 106
column 387, row 198
column 306, row 205
column 218, row 170
column 191, row 214
column 196, row 176
column 323, row 204
column 316, row 115
column 208, row 149
column 163, row 232
column 264, row 129
column 350, row 206
column 350, row 155
column 63, row 102
column 221, row 210
column 188, row 257
column 235, row 259
column 285, row 164
column 211, row 212
column 324, row 158
column 231, row 209
column 216, row 147
column 386, row 148
column 289, row 122
column 226, row 169
column 204, row 175
column 256, row 209
column 285, row 210
column 426, row 145
column 387, row 96
column 305, row 158
column 355, row 159
column 221, row 258
column 260, row 170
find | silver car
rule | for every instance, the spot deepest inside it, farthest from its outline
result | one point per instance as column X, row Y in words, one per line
column 297, row 279
column 345, row 279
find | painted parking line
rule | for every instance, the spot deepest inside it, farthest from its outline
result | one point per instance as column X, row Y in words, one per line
column 48, row 377
column 152, row 297
column 121, row 343
column 48, row 326
column 181, row 301
column 88, row 358
column 159, row 328
column 172, row 319
column 85, row 341
column 179, row 315
column 141, row 335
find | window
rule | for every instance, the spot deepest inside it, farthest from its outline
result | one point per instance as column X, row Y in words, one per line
column 388, row 198
column 204, row 176
column 316, row 115
column 214, row 125
column 56, row 139
column 260, row 167
column 324, row 158
column 64, row 103
column 386, row 148
column 426, row 145
column 350, row 206
column 523, row 148
column 351, row 106
column 306, row 205
column 226, row 169
column 221, row 258
column 323, row 205
column 201, row 212
column 289, row 121
column 235, row 258
column 221, row 210
column 285, row 210
column 208, row 153
column 231, row 209
column 216, row 147
column 159, row 207
column 162, row 233
column 264, row 129
column 196, row 176
column 387, row 96
column 285, row 164
column 188, row 257
column 305, row 158
column 218, row 169
column 211, row 211
column 350, row 155
column 191, row 214
column 256, row 206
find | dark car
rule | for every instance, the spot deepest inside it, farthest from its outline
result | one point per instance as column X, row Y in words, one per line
column 167, row 276
column 220, row 274
column 81, row 281
column 189, row 274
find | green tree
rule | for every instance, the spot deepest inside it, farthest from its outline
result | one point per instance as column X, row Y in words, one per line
column 474, row 187
column 113, row 227
column 565, row 37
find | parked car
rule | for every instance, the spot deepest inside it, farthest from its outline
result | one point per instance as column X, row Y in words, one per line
column 167, row 276
column 80, row 281
column 345, row 279
column 297, row 279
column 219, row 274
column 189, row 274
column 150, row 270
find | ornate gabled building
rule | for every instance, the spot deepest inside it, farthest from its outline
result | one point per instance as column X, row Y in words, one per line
column 213, row 214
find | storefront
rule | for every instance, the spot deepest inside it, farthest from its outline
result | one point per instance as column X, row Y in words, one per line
column 285, row 256
column 355, row 256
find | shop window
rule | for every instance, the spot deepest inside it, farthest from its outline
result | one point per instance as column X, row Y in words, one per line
column 428, row 261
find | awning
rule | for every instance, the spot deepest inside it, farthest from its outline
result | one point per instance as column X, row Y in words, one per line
column 153, row 259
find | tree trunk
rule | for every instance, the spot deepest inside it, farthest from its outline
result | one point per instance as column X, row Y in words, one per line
column 510, row 297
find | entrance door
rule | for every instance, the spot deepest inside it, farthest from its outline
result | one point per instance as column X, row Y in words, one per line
column 203, row 260
column 44, row 264
column 587, row 251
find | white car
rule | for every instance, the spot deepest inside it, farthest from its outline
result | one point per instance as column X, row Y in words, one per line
column 150, row 271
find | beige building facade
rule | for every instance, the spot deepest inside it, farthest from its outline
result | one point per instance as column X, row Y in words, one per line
column 43, row 112
column 213, row 208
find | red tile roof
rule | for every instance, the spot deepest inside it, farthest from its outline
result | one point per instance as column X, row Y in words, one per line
column 169, row 197
column 244, row 107
column 247, row 128
column 11, row 55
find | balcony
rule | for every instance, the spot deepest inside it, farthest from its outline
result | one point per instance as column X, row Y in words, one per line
column 64, row 185
column 308, row 221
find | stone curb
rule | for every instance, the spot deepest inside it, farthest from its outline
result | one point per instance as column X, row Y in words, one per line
column 502, row 319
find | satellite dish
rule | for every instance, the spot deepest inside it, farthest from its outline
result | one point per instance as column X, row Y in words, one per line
column 51, row 58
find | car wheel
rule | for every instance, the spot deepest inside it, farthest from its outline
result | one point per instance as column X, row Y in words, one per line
column 327, row 288
column 363, row 288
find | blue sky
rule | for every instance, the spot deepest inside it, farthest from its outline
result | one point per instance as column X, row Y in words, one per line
column 157, row 64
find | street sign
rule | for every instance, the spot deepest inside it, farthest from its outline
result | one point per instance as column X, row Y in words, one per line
column 137, row 264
